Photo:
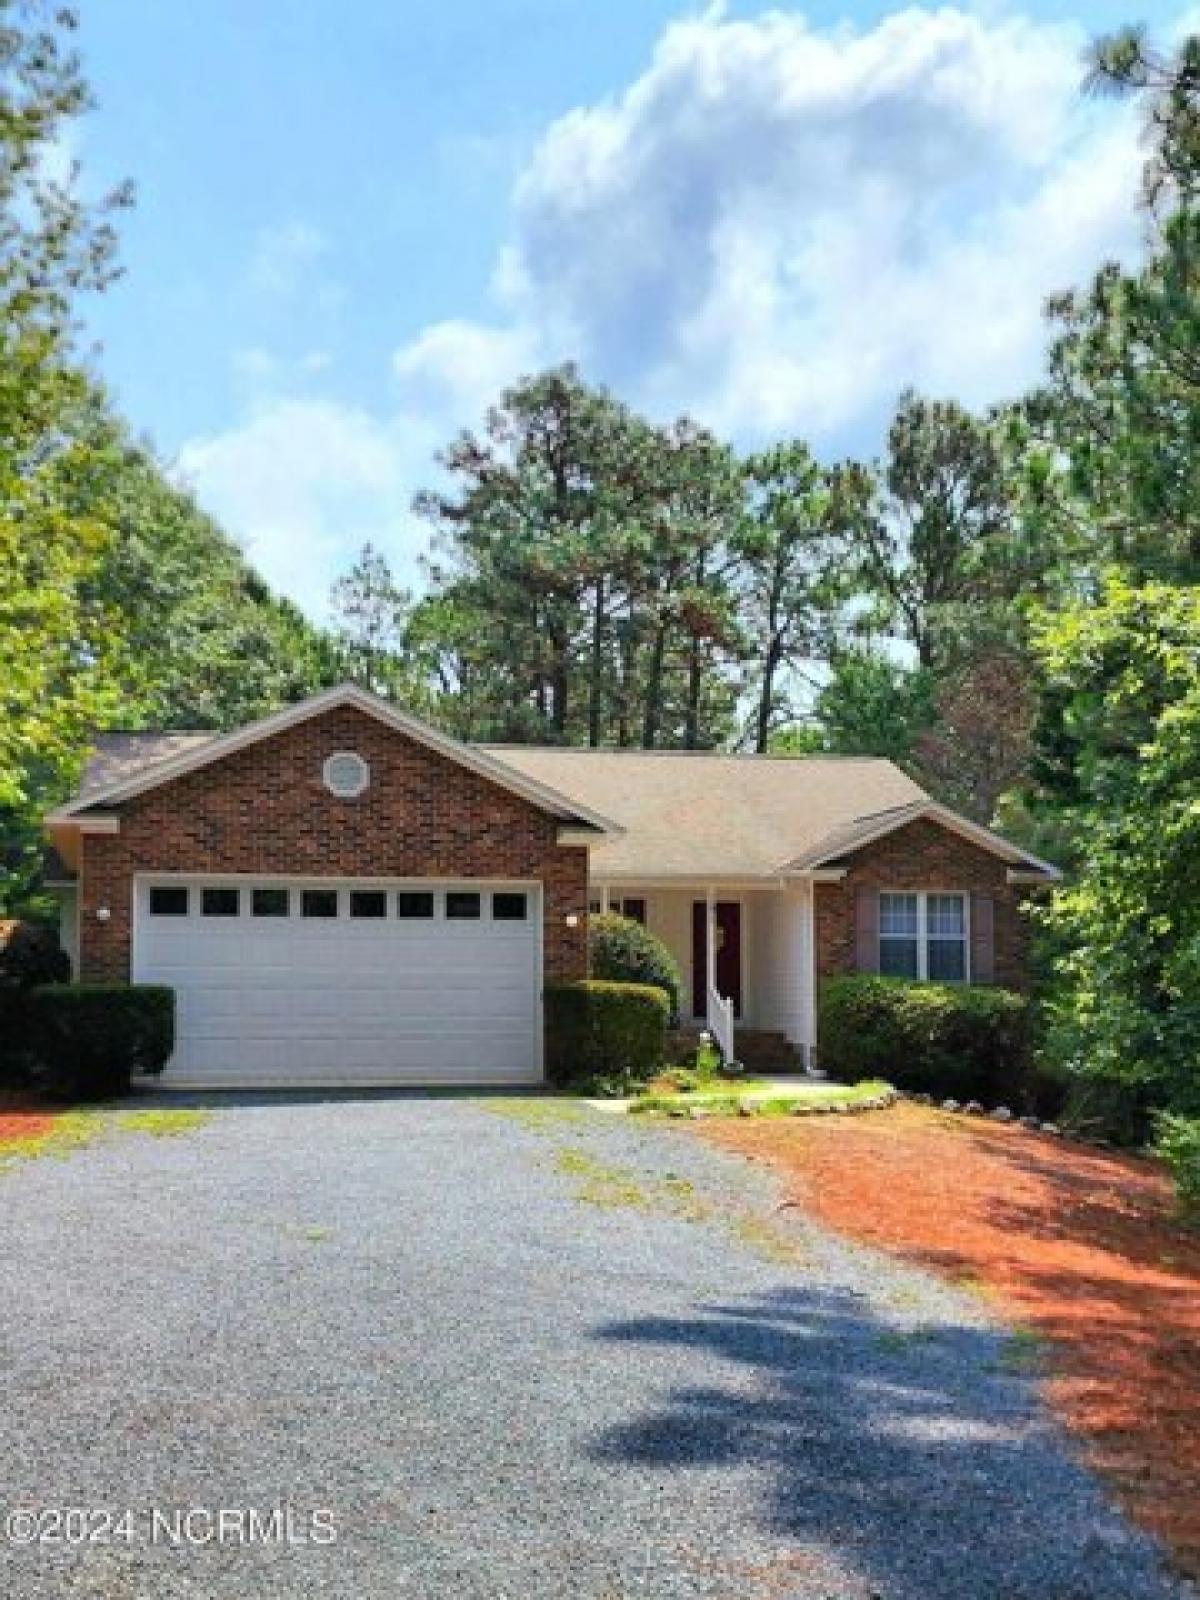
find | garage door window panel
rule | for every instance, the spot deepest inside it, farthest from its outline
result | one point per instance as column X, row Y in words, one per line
column 414, row 905
column 462, row 906
column 318, row 903
column 270, row 903
column 220, row 902
column 169, row 901
column 368, row 904
column 510, row 907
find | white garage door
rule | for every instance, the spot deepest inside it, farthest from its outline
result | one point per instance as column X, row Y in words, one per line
column 313, row 983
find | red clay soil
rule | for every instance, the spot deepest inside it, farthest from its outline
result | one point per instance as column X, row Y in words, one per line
column 1079, row 1245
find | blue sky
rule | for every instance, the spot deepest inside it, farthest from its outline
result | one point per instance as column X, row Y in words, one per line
column 355, row 223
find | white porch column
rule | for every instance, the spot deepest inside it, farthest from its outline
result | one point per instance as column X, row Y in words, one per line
column 710, row 942
column 604, row 897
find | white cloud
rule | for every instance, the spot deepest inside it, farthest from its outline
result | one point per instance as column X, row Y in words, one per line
column 774, row 227
column 283, row 255
column 779, row 227
column 304, row 484
column 455, row 369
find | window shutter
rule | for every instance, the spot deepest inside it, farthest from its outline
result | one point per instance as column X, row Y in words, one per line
column 866, row 930
column 983, row 939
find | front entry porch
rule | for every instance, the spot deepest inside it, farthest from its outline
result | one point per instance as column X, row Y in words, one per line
column 745, row 952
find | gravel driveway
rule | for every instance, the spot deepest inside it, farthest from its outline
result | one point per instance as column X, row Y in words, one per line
column 511, row 1348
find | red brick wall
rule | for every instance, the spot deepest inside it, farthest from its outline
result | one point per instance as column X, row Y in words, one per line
column 265, row 809
column 922, row 855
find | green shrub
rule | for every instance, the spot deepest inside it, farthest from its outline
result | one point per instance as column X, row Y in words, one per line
column 29, row 955
column 1178, row 1143
column 87, row 1040
column 622, row 951
column 939, row 1039
column 607, row 1036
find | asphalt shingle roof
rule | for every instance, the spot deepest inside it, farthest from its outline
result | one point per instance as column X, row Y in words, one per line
column 712, row 815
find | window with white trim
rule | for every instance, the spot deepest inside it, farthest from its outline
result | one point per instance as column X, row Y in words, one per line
column 923, row 935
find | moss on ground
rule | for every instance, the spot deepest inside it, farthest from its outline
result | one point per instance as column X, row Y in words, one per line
column 614, row 1188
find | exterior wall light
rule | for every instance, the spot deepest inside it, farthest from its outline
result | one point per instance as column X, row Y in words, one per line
column 572, row 919
column 103, row 914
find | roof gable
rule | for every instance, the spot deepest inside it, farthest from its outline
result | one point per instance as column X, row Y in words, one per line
column 123, row 772
column 865, row 830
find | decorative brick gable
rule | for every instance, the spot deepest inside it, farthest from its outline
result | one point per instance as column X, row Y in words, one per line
column 922, row 855
column 265, row 809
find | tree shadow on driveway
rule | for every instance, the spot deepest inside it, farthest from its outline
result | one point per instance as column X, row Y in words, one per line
column 909, row 1461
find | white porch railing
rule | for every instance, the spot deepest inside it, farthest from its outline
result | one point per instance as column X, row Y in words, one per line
column 720, row 1022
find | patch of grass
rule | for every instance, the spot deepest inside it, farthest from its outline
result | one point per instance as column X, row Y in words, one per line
column 600, row 1185
column 685, row 1080
column 670, row 1195
column 72, row 1130
column 538, row 1113
column 760, row 1099
column 766, row 1240
column 163, row 1124
column 69, row 1130
column 317, row 1235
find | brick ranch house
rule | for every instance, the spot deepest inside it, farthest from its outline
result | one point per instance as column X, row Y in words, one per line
column 341, row 894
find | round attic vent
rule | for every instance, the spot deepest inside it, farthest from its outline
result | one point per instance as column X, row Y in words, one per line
column 346, row 774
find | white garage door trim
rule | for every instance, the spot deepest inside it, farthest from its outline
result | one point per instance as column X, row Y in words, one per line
column 144, row 970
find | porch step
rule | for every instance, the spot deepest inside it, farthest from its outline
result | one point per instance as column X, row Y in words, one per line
column 681, row 1046
column 760, row 1050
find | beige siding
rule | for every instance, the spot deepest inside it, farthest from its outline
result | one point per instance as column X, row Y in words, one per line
column 669, row 918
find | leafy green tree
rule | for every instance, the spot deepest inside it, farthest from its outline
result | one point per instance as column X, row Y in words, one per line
column 581, row 578
column 788, row 589
column 1127, row 63
column 526, row 530
column 54, row 645
column 1113, row 435
column 692, row 504
column 204, row 641
column 1118, row 423
column 977, row 746
column 1120, row 742
column 873, row 705
column 932, row 530
column 372, row 619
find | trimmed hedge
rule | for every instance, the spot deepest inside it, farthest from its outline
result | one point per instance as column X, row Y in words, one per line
column 621, row 950
column 87, row 1040
column 946, row 1040
column 607, row 1035
column 29, row 955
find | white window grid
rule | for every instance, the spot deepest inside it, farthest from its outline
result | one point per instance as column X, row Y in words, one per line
column 922, row 917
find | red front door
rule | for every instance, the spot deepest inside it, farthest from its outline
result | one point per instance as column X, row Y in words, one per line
column 728, row 915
